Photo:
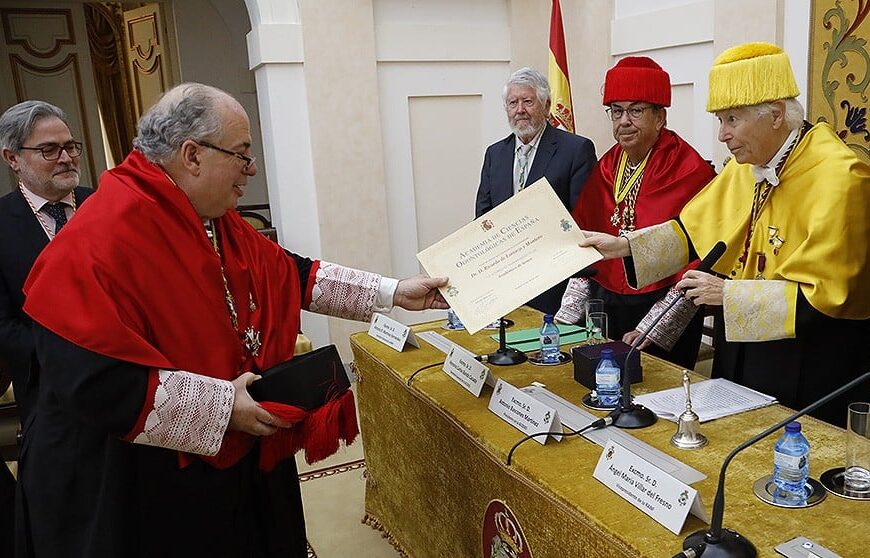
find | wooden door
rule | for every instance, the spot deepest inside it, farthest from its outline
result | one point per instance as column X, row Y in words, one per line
column 44, row 55
column 148, row 56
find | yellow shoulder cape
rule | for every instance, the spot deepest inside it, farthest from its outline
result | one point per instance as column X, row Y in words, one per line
column 813, row 229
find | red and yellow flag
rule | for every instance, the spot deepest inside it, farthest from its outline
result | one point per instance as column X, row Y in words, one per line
column 561, row 109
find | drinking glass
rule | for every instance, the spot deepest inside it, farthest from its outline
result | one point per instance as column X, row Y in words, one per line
column 597, row 327
column 592, row 306
column 856, row 478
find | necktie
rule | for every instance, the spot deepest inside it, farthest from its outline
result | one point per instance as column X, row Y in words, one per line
column 56, row 212
column 523, row 156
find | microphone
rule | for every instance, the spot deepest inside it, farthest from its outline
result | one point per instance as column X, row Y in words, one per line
column 629, row 414
column 719, row 542
column 712, row 257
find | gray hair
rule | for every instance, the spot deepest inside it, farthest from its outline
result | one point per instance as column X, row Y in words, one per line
column 529, row 77
column 794, row 112
column 187, row 111
column 18, row 121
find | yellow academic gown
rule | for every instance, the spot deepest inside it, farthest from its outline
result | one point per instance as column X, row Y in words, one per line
column 800, row 332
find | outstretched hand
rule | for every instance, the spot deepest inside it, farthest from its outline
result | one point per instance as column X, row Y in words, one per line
column 247, row 415
column 611, row 247
column 420, row 293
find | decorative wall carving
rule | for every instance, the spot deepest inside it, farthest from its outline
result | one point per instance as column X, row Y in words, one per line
column 149, row 74
column 840, row 70
column 55, row 26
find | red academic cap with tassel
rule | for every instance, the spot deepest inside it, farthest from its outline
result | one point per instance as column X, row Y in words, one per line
column 312, row 391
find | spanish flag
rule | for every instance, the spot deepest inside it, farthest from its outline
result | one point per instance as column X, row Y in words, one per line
column 561, row 109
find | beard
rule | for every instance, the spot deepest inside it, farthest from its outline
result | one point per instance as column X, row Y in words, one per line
column 525, row 128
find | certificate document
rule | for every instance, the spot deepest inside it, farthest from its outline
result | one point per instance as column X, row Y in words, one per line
column 508, row 256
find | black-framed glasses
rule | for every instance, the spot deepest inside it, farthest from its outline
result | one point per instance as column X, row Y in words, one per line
column 634, row 111
column 51, row 151
column 247, row 159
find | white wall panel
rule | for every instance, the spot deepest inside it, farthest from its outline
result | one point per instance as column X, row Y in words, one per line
column 445, row 162
column 670, row 26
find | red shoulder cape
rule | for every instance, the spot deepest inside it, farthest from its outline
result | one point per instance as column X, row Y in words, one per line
column 674, row 173
column 134, row 277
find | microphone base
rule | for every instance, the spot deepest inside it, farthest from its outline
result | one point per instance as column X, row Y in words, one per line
column 506, row 357
column 635, row 416
column 730, row 545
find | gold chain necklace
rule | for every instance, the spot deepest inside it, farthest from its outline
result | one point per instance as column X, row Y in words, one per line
column 38, row 214
column 626, row 188
column 250, row 337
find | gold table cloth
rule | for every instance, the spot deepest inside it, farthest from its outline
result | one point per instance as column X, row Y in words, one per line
column 436, row 457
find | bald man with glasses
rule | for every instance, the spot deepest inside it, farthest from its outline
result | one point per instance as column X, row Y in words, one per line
column 37, row 145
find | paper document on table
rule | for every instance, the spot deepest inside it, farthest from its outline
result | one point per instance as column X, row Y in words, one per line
column 711, row 399
column 508, row 256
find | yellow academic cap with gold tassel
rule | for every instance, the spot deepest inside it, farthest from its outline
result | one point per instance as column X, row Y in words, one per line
column 750, row 74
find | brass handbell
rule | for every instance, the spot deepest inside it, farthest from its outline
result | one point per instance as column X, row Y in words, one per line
column 688, row 435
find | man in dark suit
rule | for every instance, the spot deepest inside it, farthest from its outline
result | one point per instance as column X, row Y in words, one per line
column 534, row 150
column 37, row 145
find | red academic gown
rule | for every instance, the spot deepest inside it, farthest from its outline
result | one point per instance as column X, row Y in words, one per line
column 130, row 286
column 674, row 173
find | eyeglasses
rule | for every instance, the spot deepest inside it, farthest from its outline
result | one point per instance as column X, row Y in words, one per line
column 51, row 151
column 248, row 160
column 634, row 112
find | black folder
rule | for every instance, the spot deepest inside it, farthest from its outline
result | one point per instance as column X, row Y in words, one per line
column 307, row 381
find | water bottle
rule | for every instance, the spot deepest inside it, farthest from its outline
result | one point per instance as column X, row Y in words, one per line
column 549, row 341
column 453, row 321
column 791, row 462
column 607, row 377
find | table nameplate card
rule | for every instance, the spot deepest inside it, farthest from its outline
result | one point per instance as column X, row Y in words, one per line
column 648, row 488
column 524, row 412
column 392, row 333
column 466, row 370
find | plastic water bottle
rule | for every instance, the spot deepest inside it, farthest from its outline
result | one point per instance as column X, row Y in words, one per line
column 791, row 462
column 607, row 376
column 453, row 321
column 549, row 340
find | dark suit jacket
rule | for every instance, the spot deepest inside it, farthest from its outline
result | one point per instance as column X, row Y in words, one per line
column 565, row 159
column 21, row 240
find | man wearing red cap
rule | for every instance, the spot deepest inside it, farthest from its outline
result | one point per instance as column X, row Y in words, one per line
column 644, row 179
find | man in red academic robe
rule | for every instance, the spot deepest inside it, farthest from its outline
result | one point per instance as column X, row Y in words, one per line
column 644, row 179
column 155, row 309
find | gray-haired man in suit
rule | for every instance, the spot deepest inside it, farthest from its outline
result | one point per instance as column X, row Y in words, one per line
column 37, row 145
column 534, row 149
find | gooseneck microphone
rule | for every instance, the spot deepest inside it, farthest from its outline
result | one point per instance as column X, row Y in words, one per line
column 629, row 414
column 721, row 543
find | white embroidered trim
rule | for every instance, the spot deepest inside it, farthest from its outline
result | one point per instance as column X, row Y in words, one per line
column 344, row 292
column 671, row 326
column 658, row 251
column 191, row 413
column 756, row 310
column 573, row 307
